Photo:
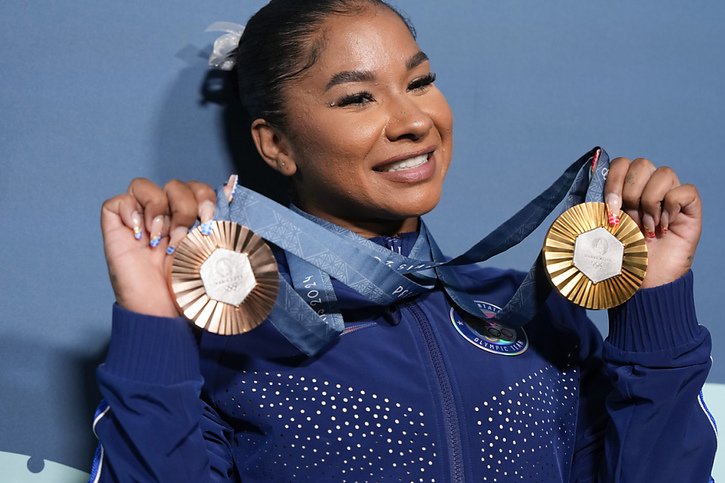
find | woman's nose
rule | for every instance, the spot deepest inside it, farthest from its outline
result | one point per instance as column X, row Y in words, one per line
column 407, row 121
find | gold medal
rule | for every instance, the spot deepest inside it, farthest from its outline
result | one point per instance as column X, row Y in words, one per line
column 591, row 263
column 225, row 282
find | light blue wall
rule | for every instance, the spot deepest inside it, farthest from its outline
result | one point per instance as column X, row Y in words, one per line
column 93, row 93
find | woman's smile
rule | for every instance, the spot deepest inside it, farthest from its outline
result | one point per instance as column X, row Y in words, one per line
column 408, row 168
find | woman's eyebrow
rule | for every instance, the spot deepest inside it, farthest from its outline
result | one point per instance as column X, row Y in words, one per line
column 416, row 60
column 349, row 76
column 366, row 75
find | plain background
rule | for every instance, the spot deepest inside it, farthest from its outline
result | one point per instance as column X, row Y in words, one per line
column 94, row 93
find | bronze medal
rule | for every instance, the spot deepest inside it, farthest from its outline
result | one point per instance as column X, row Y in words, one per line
column 225, row 282
column 591, row 263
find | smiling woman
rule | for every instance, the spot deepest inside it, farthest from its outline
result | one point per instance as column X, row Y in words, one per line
column 420, row 387
column 367, row 135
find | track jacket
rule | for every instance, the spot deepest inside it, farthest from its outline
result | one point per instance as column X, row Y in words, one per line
column 413, row 392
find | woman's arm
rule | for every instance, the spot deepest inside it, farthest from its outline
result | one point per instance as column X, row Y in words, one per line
column 642, row 417
column 152, row 425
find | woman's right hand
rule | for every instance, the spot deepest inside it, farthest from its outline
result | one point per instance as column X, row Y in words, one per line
column 141, row 229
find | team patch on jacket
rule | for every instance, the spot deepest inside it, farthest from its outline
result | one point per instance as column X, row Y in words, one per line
column 488, row 334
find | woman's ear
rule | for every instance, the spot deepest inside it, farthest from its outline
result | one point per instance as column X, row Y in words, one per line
column 274, row 147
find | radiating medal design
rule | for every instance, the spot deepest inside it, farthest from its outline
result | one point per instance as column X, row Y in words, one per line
column 591, row 263
column 225, row 282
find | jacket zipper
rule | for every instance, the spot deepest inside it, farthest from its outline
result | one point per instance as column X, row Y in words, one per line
column 450, row 414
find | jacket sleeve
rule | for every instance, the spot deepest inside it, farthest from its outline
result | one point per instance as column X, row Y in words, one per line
column 152, row 424
column 642, row 415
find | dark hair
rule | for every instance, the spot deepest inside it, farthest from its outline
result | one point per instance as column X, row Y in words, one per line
column 280, row 43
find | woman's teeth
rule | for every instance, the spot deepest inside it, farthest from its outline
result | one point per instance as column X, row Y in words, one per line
column 406, row 163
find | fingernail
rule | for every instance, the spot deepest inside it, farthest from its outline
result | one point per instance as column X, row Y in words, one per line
column 665, row 221
column 614, row 205
column 156, row 226
column 231, row 187
column 137, row 231
column 175, row 237
column 648, row 223
column 206, row 228
column 206, row 213
column 613, row 219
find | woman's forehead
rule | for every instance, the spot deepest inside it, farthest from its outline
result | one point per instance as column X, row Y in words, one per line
column 370, row 40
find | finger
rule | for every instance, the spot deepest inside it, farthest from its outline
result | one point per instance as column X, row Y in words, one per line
column 659, row 184
column 183, row 208
column 152, row 199
column 634, row 182
column 125, row 208
column 613, row 188
column 683, row 199
column 206, row 201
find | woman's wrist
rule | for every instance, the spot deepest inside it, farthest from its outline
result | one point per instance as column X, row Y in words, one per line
column 655, row 319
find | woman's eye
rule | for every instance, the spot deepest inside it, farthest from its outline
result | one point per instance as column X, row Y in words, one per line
column 355, row 99
column 422, row 82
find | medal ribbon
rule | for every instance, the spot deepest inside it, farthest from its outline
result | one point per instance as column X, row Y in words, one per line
column 306, row 311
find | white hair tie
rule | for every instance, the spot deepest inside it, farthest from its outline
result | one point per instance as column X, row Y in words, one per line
column 224, row 45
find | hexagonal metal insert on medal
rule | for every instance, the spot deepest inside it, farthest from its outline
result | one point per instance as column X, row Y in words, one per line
column 598, row 255
column 227, row 276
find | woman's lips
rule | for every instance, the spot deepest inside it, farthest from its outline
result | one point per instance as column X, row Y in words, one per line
column 413, row 169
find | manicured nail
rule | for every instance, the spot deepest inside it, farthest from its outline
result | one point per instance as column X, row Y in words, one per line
column 231, row 187
column 137, row 230
column 156, row 226
column 175, row 237
column 664, row 222
column 614, row 205
column 649, row 225
column 206, row 228
column 613, row 219
column 206, row 213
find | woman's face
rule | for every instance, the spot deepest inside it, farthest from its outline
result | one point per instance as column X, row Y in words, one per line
column 369, row 134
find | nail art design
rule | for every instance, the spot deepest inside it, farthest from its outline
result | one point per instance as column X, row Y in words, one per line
column 206, row 215
column 206, row 228
column 170, row 250
column 649, row 234
column 136, row 219
column 612, row 217
column 231, row 187
column 156, row 226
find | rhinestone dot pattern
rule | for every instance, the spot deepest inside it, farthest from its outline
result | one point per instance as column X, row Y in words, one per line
column 302, row 426
column 331, row 431
column 527, row 430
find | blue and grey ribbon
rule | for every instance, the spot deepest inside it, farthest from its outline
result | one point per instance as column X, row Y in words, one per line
column 306, row 311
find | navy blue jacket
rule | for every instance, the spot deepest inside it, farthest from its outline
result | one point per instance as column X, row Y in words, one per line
column 414, row 393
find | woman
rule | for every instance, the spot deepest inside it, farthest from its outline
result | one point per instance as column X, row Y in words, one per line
column 344, row 103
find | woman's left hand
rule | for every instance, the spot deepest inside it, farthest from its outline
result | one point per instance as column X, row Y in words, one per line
column 668, row 213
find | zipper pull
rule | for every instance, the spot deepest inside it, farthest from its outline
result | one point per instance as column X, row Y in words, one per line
column 395, row 244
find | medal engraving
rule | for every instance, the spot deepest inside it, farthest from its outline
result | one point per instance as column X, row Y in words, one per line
column 591, row 263
column 225, row 282
column 227, row 276
column 598, row 254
